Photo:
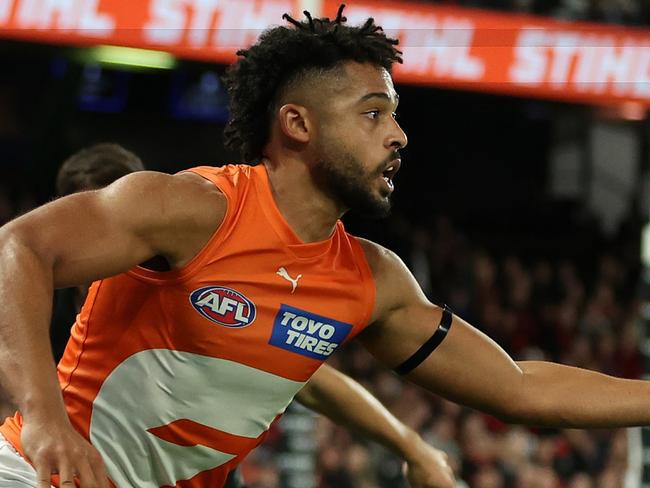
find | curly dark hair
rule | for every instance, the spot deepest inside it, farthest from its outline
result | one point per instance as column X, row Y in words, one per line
column 284, row 55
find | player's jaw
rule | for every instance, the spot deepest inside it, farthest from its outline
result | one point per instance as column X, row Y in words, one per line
column 354, row 186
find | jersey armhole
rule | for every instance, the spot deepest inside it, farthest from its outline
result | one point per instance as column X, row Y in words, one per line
column 219, row 235
column 367, row 278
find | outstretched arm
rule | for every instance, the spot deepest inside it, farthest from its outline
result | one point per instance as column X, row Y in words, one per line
column 470, row 368
column 347, row 403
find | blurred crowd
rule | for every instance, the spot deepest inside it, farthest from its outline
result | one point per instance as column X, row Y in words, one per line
column 536, row 308
column 632, row 12
column 561, row 309
column 566, row 309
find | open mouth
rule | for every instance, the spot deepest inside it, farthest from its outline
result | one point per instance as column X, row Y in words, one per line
column 389, row 172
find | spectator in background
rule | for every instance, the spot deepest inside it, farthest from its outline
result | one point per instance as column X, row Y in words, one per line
column 482, row 281
column 89, row 169
column 546, row 309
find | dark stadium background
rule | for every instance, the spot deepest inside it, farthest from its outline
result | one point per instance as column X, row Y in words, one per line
column 473, row 197
column 478, row 158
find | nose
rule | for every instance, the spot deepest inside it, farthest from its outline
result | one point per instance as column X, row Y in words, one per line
column 397, row 137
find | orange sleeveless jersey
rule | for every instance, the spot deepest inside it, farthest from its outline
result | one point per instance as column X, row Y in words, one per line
column 175, row 376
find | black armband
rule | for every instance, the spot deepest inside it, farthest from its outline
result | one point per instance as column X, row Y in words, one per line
column 429, row 346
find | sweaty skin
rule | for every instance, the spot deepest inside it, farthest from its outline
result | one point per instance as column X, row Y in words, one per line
column 149, row 214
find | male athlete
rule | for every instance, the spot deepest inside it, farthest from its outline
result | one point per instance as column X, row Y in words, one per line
column 328, row 392
column 170, row 378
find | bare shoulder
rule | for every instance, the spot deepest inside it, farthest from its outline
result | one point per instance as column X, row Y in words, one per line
column 175, row 196
column 380, row 259
column 395, row 285
column 168, row 188
column 205, row 196
column 182, row 211
column 141, row 215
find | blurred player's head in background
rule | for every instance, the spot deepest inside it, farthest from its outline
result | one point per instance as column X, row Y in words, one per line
column 321, row 91
column 95, row 167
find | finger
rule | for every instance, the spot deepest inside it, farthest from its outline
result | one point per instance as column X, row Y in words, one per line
column 93, row 471
column 43, row 475
column 99, row 469
column 100, row 473
column 66, row 476
column 87, row 478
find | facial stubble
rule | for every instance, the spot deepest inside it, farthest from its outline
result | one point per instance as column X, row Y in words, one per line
column 345, row 179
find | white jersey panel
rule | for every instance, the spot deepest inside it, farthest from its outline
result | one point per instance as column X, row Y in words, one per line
column 156, row 387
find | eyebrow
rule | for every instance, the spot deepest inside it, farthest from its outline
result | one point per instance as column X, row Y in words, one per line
column 383, row 95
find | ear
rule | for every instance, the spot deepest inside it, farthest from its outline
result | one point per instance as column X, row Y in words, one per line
column 295, row 122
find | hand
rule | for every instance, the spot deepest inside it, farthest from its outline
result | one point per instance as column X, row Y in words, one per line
column 428, row 468
column 57, row 448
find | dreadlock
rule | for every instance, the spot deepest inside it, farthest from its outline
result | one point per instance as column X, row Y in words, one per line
column 284, row 55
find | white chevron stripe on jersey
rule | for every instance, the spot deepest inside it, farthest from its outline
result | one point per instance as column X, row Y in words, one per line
column 156, row 387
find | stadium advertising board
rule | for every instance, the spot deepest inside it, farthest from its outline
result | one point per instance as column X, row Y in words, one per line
column 447, row 46
column 210, row 30
column 513, row 54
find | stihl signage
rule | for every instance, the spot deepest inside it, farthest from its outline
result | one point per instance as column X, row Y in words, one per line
column 448, row 46
column 513, row 54
column 203, row 29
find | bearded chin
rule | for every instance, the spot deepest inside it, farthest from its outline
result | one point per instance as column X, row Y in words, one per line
column 371, row 207
column 344, row 179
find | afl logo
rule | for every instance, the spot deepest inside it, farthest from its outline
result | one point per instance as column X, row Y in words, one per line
column 223, row 306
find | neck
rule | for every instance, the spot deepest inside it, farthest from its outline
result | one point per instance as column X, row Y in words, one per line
column 309, row 212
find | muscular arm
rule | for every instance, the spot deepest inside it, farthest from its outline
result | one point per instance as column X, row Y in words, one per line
column 471, row 369
column 78, row 239
column 347, row 403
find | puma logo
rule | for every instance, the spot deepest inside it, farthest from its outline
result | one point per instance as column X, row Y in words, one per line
column 285, row 274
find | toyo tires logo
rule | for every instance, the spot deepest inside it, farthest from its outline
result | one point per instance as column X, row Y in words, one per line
column 223, row 306
column 306, row 333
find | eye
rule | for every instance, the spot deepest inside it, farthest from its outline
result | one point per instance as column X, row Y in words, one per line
column 373, row 114
column 395, row 115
